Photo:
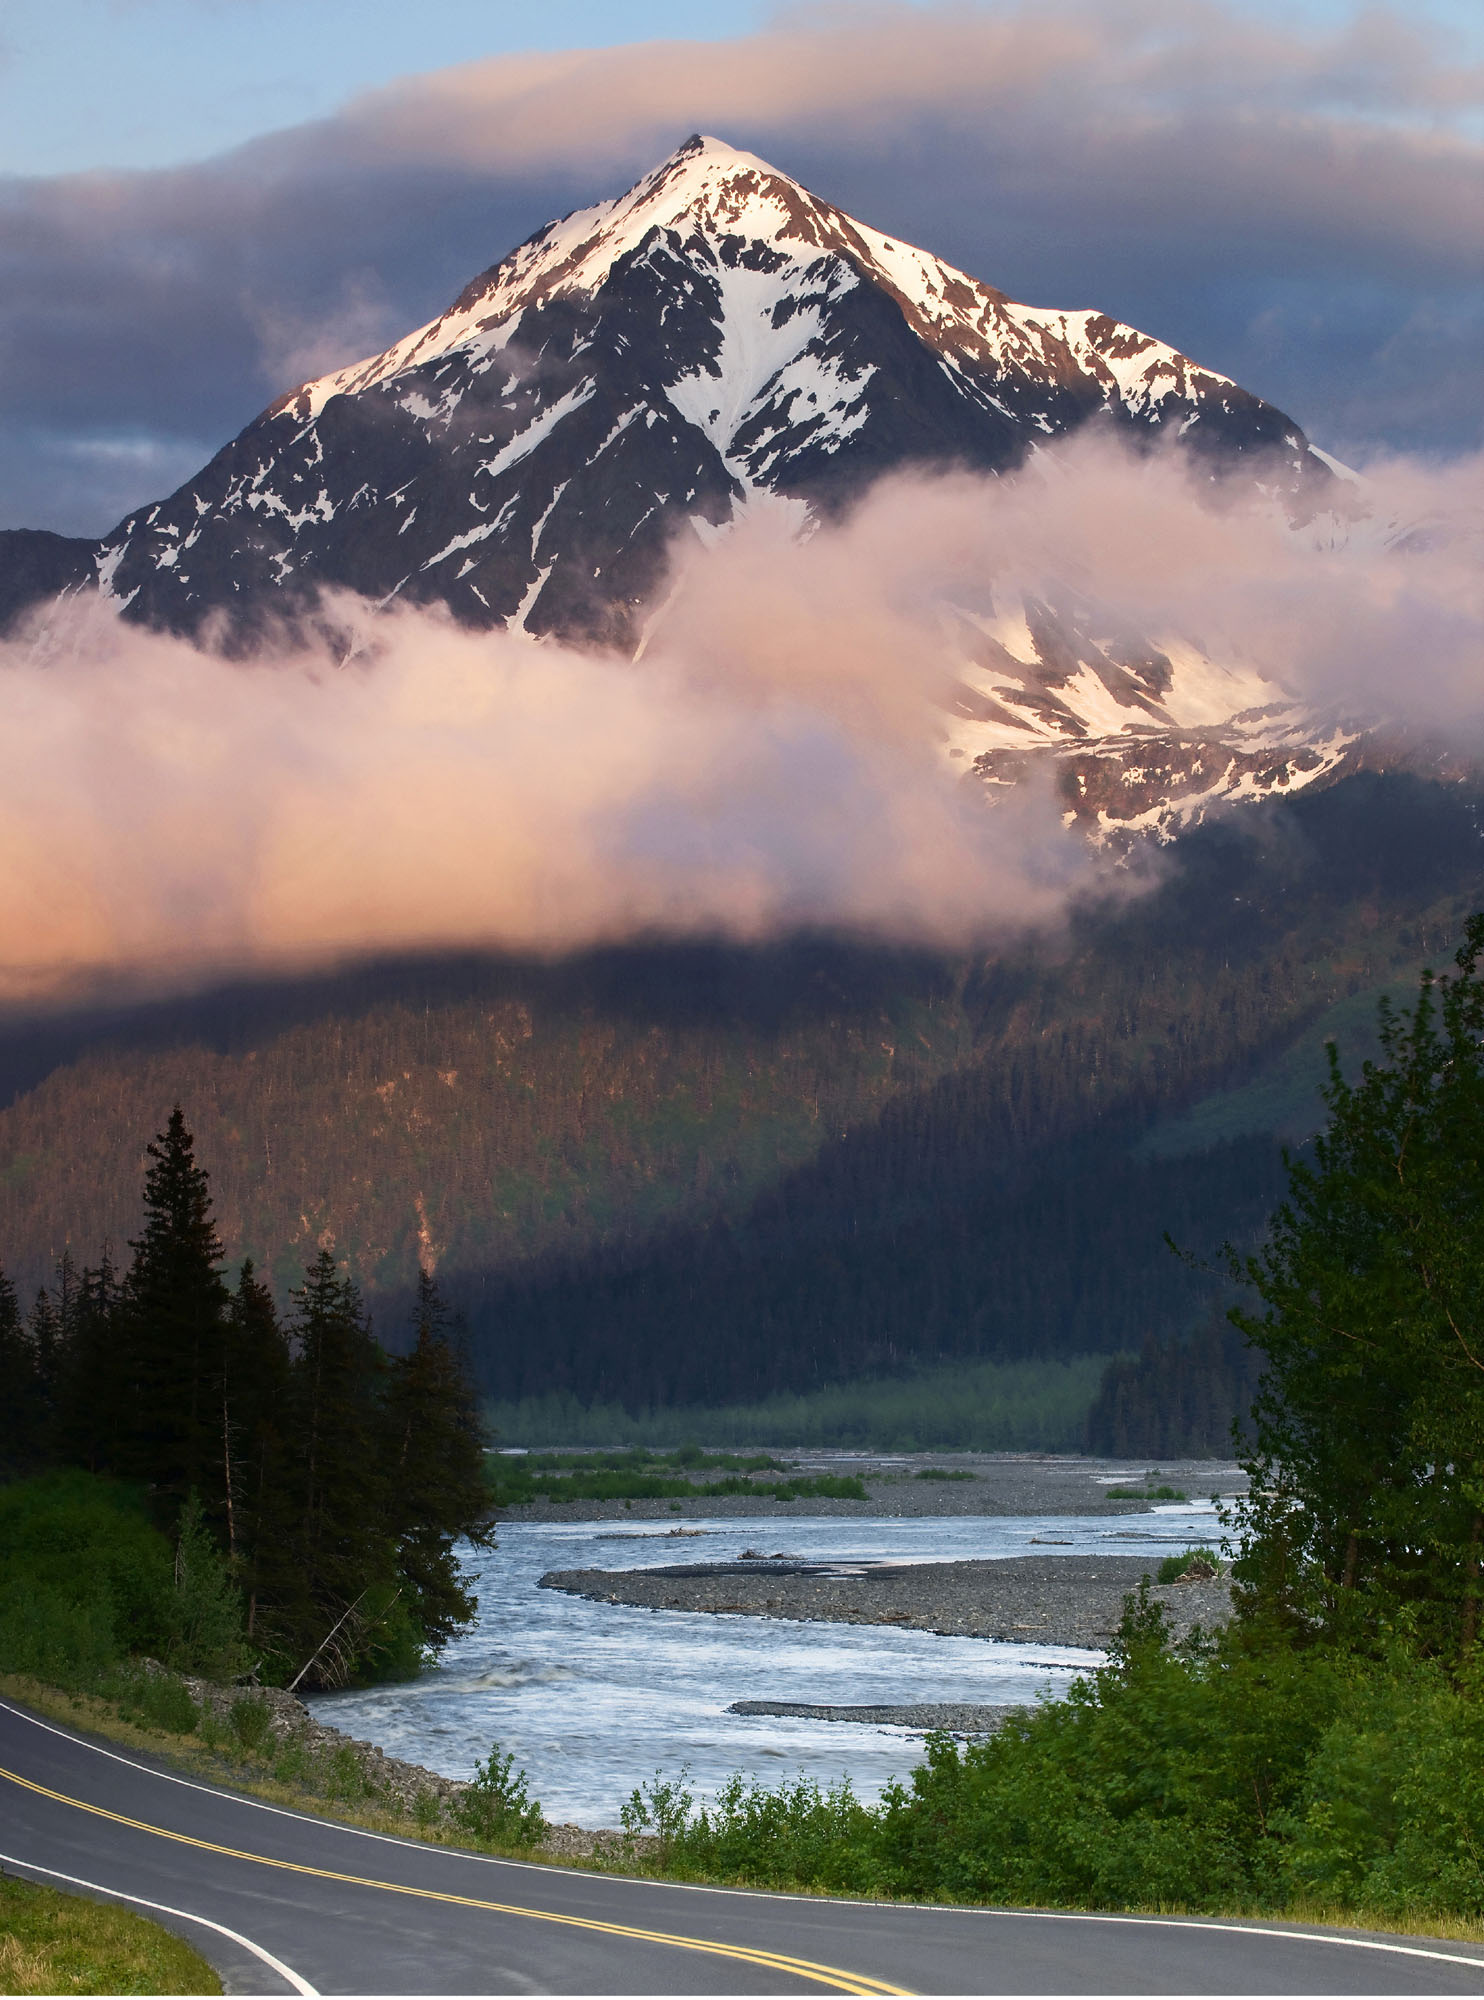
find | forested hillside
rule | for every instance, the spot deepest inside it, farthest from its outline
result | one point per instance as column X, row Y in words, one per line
column 698, row 1173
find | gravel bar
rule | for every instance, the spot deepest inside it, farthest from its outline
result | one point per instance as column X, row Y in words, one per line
column 959, row 1718
column 1046, row 1600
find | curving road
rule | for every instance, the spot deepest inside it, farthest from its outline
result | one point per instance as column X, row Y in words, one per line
column 282, row 1901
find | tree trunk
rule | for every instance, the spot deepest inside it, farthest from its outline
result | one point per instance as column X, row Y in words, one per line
column 227, row 1476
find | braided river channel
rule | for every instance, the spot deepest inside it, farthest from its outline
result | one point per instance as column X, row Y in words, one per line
column 591, row 1698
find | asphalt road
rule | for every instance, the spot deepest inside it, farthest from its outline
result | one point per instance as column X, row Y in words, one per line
column 282, row 1902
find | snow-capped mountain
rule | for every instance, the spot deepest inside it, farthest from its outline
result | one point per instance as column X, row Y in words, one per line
column 715, row 334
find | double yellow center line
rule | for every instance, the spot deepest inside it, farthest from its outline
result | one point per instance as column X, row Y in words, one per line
column 802, row 1968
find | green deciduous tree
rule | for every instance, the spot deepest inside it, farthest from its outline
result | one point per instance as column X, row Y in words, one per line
column 1367, row 1511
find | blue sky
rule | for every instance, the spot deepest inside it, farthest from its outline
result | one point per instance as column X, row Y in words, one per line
column 148, row 83
column 203, row 202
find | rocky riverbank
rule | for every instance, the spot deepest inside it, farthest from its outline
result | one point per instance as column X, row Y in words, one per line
column 1048, row 1600
column 298, row 1749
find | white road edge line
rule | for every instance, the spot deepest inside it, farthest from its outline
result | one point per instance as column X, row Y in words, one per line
column 122, row 1895
column 768, row 1895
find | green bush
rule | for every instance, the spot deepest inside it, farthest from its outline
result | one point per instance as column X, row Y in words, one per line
column 1173, row 1567
column 497, row 1807
column 1391, row 1816
column 250, row 1722
column 205, row 1607
column 799, row 1834
column 1242, row 1773
column 87, row 1580
column 159, row 1699
column 660, row 1808
column 84, row 1577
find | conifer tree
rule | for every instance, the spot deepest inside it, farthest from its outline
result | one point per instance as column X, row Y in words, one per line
column 173, row 1308
column 21, row 1406
column 435, row 1460
column 345, row 1552
column 259, row 1523
column 45, row 1330
column 91, row 1388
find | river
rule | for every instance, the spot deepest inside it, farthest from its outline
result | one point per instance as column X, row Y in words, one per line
column 593, row 1698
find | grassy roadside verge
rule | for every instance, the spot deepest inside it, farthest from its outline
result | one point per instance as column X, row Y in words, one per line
column 330, row 1789
column 55, row 1943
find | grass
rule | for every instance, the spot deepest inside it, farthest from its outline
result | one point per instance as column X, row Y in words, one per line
column 53, row 1943
column 309, row 1791
column 969, row 1406
column 938, row 1472
column 1143, row 1493
column 512, row 1485
column 690, row 1458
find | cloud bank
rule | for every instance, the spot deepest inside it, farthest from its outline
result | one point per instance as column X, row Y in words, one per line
column 774, row 759
column 1301, row 208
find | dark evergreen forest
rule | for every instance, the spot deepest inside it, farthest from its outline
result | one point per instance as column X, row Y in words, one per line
column 334, row 1479
column 688, row 1174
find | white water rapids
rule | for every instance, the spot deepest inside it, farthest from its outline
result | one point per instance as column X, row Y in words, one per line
column 593, row 1698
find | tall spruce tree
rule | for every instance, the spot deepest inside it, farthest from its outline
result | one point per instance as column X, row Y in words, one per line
column 1367, row 1507
column 171, row 1330
column 435, row 1459
column 91, row 1390
column 343, row 1579
column 259, row 1517
column 22, row 1404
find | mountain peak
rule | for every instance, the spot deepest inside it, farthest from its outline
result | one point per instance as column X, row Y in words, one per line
column 646, row 368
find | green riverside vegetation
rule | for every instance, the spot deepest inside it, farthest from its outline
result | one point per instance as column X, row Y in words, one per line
column 514, row 1482
column 1326, row 1749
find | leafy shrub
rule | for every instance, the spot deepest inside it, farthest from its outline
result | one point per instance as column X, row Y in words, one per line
column 497, row 1806
column 1171, row 1568
column 799, row 1835
column 84, row 1577
column 1244, row 1773
column 293, row 1764
column 156, row 1698
column 1391, row 1816
column 661, row 1808
column 250, row 1721
column 1144, row 1493
column 205, row 1608
column 344, row 1776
